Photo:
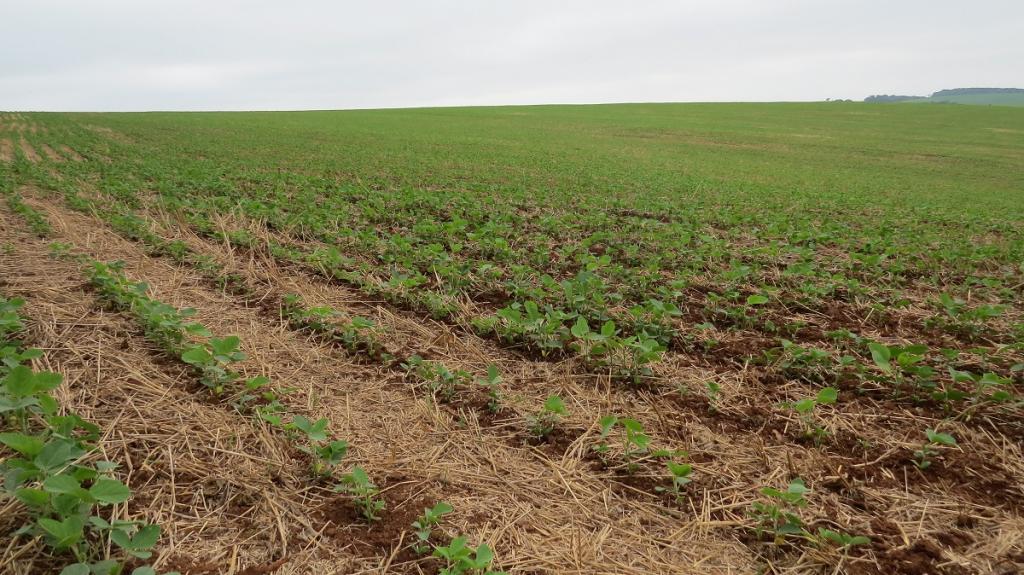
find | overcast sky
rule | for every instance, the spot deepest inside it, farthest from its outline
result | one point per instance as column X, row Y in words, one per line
column 224, row 54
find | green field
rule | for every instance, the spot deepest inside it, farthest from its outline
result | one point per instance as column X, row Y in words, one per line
column 605, row 334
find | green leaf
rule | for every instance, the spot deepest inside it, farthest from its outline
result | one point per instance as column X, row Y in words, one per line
column 146, row 538
column 106, row 466
column 97, row 521
column 606, row 423
column 679, row 469
column 828, row 395
column 940, row 438
column 197, row 329
column 110, row 491
column 144, row 570
column 804, row 405
column 797, row 487
column 257, row 382
column 196, row 356
column 76, row 569
column 632, row 425
column 441, row 508
column 961, row 376
column 64, row 485
column 65, row 533
column 19, row 382
column 121, row 538
column 881, row 355
column 580, row 329
column 106, row 567
column 57, row 454
column 608, row 329
column 641, row 440
column 315, row 431
column 32, row 497
column 27, row 445
column 554, row 404
column 47, row 404
column 47, row 380
column 842, row 539
column 225, row 345
column 757, row 299
column 484, row 556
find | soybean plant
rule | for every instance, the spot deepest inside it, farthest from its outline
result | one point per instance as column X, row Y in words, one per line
column 326, row 454
column 425, row 524
column 778, row 516
column 805, row 410
column 357, row 484
column 543, row 423
column 929, row 448
column 680, row 478
column 464, row 560
column 212, row 360
column 843, row 540
column 635, row 443
column 492, row 383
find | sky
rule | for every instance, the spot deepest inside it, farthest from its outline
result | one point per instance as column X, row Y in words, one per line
column 119, row 55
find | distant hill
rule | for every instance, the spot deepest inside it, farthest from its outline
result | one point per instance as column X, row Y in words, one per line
column 976, row 91
column 971, row 96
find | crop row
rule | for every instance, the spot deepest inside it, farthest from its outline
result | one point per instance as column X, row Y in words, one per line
column 170, row 329
column 211, row 359
column 432, row 252
column 548, row 330
column 68, row 495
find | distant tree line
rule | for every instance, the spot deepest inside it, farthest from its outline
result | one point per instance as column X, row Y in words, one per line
column 891, row 98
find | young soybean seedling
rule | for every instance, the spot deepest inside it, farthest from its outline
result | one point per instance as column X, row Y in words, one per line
column 425, row 524
column 607, row 423
column 212, row 360
column 326, row 454
column 357, row 483
column 923, row 457
column 680, row 478
column 713, row 391
column 778, row 516
column 464, row 560
column 252, row 393
column 491, row 383
column 805, row 410
column 843, row 540
column 543, row 423
column 637, row 443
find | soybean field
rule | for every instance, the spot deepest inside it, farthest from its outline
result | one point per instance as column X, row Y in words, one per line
column 602, row 339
